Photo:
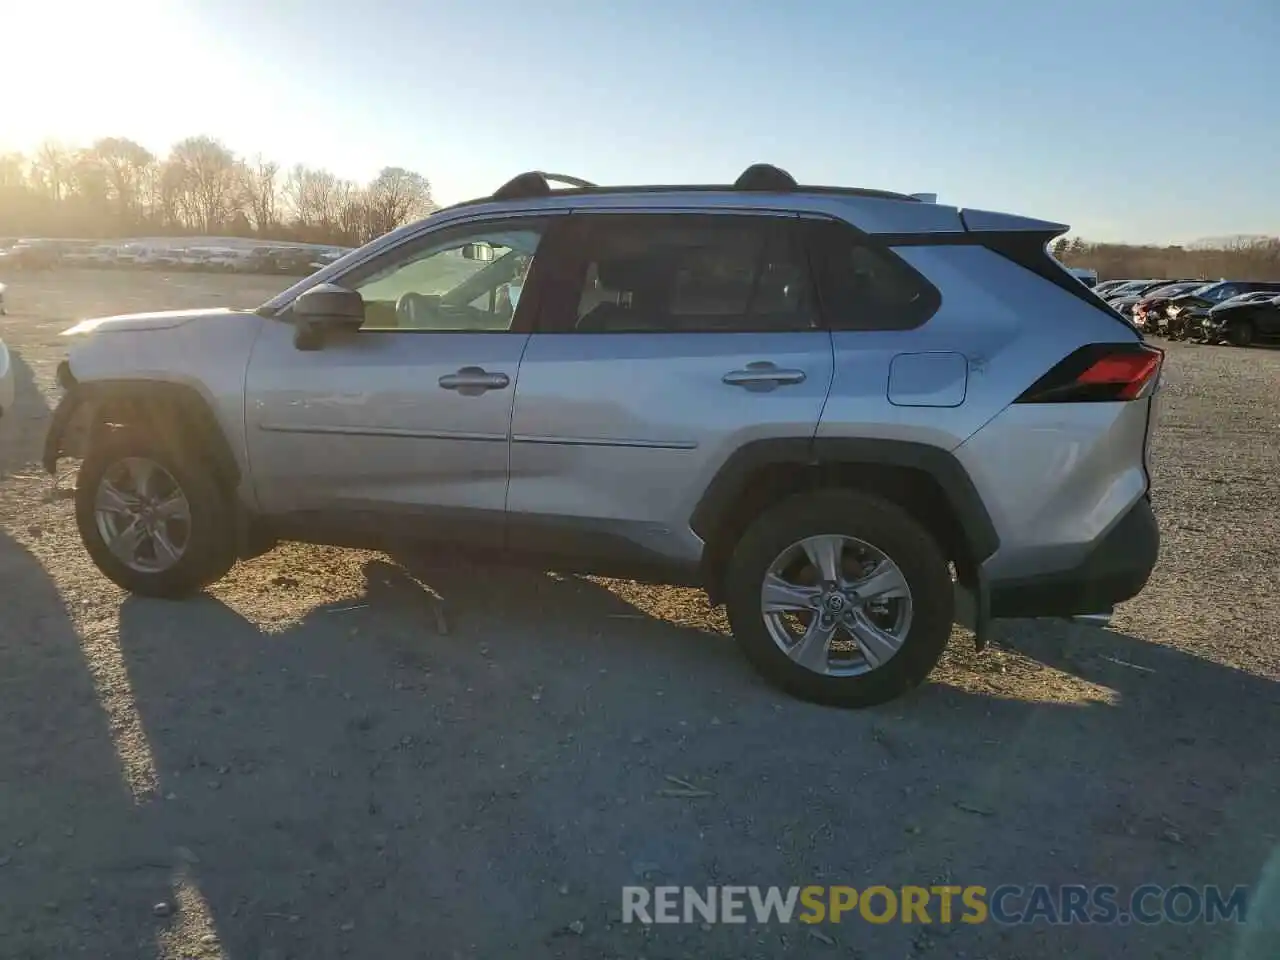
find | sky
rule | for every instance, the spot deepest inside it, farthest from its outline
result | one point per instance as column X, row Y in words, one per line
column 1131, row 120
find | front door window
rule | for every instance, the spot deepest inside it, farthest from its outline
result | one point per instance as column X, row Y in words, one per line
column 468, row 279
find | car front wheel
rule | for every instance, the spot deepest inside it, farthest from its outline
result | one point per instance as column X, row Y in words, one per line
column 841, row 598
column 153, row 519
column 1240, row 333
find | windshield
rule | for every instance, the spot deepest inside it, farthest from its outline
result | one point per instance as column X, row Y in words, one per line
column 1216, row 292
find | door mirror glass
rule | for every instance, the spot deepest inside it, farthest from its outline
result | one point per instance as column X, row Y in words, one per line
column 482, row 252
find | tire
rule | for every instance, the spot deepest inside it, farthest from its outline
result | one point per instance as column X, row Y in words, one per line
column 1240, row 333
column 873, row 521
column 209, row 548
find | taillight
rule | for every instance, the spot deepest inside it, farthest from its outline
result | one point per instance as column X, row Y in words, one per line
column 1100, row 372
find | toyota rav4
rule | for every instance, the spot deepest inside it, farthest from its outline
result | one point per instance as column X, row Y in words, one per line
column 851, row 416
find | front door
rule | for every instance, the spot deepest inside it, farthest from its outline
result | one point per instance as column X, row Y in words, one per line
column 403, row 426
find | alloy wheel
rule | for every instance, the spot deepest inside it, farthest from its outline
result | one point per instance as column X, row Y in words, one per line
column 142, row 515
column 836, row 605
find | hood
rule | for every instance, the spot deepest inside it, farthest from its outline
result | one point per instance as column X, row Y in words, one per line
column 1228, row 305
column 1123, row 301
column 1190, row 300
column 162, row 320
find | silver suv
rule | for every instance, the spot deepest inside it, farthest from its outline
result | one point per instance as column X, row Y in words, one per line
column 839, row 411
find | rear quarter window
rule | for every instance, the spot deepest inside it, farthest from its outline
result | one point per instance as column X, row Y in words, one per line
column 863, row 286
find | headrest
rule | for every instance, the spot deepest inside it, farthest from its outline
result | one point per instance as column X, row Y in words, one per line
column 629, row 273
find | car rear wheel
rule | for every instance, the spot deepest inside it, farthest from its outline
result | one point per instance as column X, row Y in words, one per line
column 1240, row 333
column 153, row 519
column 841, row 598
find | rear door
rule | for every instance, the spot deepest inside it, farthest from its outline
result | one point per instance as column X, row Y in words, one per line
column 665, row 342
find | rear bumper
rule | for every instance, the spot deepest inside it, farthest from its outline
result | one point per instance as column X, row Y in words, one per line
column 1115, row 570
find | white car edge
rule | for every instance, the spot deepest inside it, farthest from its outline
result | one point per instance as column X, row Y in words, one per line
column 7, row 389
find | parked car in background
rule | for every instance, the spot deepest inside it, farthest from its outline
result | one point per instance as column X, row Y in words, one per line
column 1186, row 313
column 193, row 258
column 1086, row 275
column 1148, row 313
column 102, row 255
column 1244, row 319
column 8, row 389
column 295, row 260
column 4, row 306
column 143, row 255
column 34, row 254
column 1131, row 287
column 227, row 258
column 261, row 260
column 1104, row 288
column 1125, row 302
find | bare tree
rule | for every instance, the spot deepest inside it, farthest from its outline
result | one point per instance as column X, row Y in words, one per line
column 209, row 177
column 124, row 164
column 176, row 202
column 13, row 170
column 52, row 169
column 302, row 194
column 87, row 178
column 353, row 213
column 394, row 197
column 317, row 200
column 258, row 184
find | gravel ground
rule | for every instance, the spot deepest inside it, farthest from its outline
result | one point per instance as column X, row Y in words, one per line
column 333, row 753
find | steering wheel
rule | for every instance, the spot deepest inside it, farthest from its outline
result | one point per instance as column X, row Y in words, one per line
column 417, row 310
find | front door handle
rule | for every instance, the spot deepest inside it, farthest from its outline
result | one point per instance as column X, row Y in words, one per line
column 763, row 375
column 473, row 381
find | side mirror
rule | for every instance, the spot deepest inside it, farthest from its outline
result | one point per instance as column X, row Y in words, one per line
column 482, row 252
column 324, row 310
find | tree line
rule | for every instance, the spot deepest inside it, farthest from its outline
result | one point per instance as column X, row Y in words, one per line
column 1236, row 258
column 118, row 188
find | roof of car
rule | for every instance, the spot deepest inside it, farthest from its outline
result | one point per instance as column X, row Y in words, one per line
column 758, row 178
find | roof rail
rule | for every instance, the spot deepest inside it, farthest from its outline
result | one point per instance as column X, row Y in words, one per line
column 535, row 183
column 758, row 178
column 766, row 178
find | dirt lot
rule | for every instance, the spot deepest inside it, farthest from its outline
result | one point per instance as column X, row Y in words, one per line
column 301, row 764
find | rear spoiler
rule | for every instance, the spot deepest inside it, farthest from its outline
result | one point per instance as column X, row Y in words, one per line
column 1025, row 241
column 987, row 221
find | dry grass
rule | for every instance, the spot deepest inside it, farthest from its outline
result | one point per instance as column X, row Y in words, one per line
column 302, row 765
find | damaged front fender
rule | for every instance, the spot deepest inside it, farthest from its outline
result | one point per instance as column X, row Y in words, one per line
column 66, row 428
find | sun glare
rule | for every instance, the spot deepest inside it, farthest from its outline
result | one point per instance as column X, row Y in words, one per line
column 80, row 69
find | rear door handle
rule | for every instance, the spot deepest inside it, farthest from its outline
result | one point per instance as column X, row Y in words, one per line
column 763, row 375
column 473, row 381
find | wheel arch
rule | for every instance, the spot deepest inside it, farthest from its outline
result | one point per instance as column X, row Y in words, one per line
column 927, row 480
column 177, row 412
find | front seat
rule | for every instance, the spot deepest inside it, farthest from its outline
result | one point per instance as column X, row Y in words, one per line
column 638, row 289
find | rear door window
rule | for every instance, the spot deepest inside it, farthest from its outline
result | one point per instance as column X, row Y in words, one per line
column 684, row 273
